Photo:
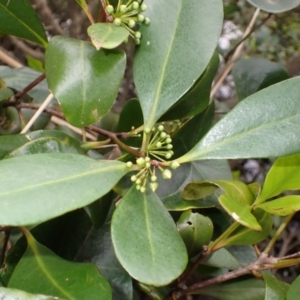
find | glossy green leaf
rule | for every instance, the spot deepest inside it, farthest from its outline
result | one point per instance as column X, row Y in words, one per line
column 196, row 231
column 253, row 74
column 45, row 145
column 107, row 35
column 155, row 293
column 5, row 93
column 14, row 294
column 146, row 241
column 56, row 276
column 283, row 206
column 19, row 18
column 275, row 6
column 10, row 143
column 57, row 172
column 246, row 289
column 263, row 125
column 294, row 290
column 275, row 289
column 283, row 175
column 245, row 236
column 197, row 98
column 164, row 68
column 84, row 81
column 244, row 254
column 170, row 191
column 98, row 249
column 19, row 78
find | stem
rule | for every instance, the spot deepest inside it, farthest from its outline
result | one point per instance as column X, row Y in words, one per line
column 4, row 247
column 278, row 233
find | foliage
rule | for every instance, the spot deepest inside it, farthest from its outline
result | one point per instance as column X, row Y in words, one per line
column 162, row 215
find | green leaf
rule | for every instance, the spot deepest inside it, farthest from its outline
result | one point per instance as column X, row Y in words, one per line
column 19, row 78
column 84, row 81
column 5, row 93
column 253, row 74
column 275, row 6
column 10, row 143
column 77, row 181
column 14, row 294
column 197, row 98
column 283, row 206
column 146, row 241
column 246, row 289
column 20, row 19
column 107, row 35
column 170, row 191
column 245, row 236
column 283, row 175
column 275, row 289
column 56, row 276
column 82, row 4
column 294, row 290
column 196, row 231
column 164, row 68
column 263, row 125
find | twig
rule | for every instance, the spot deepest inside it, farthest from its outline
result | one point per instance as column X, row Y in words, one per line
column 235, row 56
column 4, row 247
column 7, row 59
column 38, row 113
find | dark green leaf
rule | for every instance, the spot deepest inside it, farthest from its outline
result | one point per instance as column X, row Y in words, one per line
column 253, row 74
column 263, row 125
column 246, row 289
column 146, row 241
column 197, row 98
column 164, row 68
column 13, row 294
column 283, row 206
column 275, row 6
column 56, row 276
column 196, row 231
column 19, row 18
column 107, row 35
column 294, row 290
column 84, row 81
column 275, row 289
column 283, row 175
column 5, row 93
column 77, row 181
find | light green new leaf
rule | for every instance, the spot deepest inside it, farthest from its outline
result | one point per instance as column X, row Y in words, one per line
column 14, row 294
column 20, row 19
column 146, row 241
column 283, row 175
column 275, row 6
column 275, row 289
column 263, row 125
column 165, row 68
column 49, row 185
column 283, row 206
column 84, row 81
column 107, row 35
column 49, row 274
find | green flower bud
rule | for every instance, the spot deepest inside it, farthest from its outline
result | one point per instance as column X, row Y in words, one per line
column 169, row 146
column 141, row 18
column 168, row 155
column 158, row 145
column 135, row 5
column 109, row 9
column 138, row 181
column 142, row 189
column 148, row 165
column 123, row 8
column 131, row 23
column 138, row 35
column 137, row 41
column 163, row 135
column 153, row 178
column 129, row 164
column 117, row 21
column 147, row 159
column 153, row 186
column 147, row 21
column 167, row 174
column 133, row 178
column 143, row 7
column 175, row 164
column 147, row 130
column 140, row 161
column 160, row 128
column 138, row 187
column 168, row 140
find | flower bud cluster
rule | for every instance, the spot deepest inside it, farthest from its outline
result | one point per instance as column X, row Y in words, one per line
column 128, row 15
